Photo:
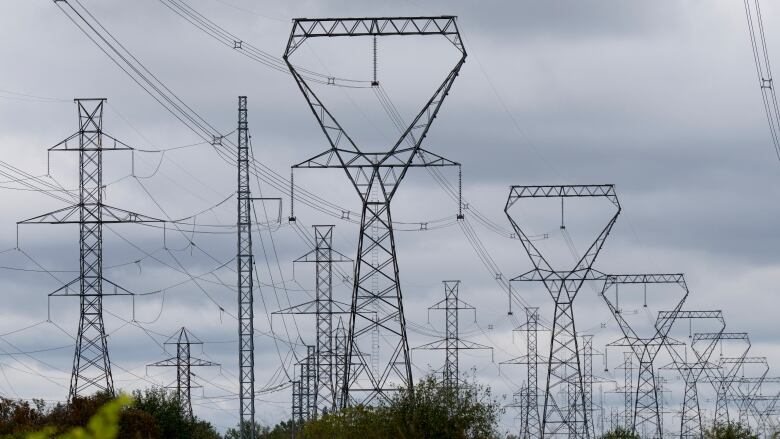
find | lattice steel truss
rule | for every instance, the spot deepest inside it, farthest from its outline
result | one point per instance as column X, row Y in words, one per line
column 745, row 389
column 567, row 416
column 184, row 362
column 692, row 370
column 91, row 364
column 323, row 307
column 244, row 269
column 378, row 173
column 628, row 392
column 587, row 383
column 722, row 374
column 646, row 412
column 530, row 421
column 452, row 343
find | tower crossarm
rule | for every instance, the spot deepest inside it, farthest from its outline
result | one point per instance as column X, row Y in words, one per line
column 663, row 326
column 107, row 215
column 304, row 28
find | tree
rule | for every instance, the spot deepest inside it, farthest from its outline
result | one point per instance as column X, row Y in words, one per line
column 282, row 430
column 432, row 410
column 150, row 414
column 729, row 430
column 620, row 433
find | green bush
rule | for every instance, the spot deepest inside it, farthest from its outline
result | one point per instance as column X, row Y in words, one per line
column 431, row 411
column 620, row 433
column 149, row 414
column 729, row 430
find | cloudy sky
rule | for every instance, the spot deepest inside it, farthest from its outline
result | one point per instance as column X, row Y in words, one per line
column 658, row 98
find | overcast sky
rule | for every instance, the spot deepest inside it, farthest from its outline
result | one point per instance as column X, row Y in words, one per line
column 658, row 98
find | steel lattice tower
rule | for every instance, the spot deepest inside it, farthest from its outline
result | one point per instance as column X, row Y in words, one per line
column 378, row 173
column 452, row 343
column 722, row 377
column 340, row 357
column 244, row 268
column 692, row 371
column 628, row 386
column 91, row 365
column 184, row 362
column 646, row 413
column 587, row 381
column 565, row 416
column 305, row 388
column 323, row 307
column 530, row 426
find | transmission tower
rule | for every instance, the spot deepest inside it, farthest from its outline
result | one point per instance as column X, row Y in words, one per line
column 452, row 343
column 91, row 364
column 323, row 307
column 587, row 383
column 691, row 370
column 307, row 388
column 530, row 426
column 563, row 416
column 245, row 266
column 379, row 173
column 184, row 362
column 722, row 376
column 746, row 393
column 628, row 386
column 646, row 413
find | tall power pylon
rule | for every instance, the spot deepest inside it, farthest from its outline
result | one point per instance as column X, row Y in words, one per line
column 587, row 382
column 91, row 363
column 340, row 339
column 375, row 307
column 567, row 416
column 323, row 307
column 692, row 370
column 304, row 389
column 452, row 343
column 245, row 285
column 184, row 362
column 722, row 377
column 531, row 425
column 645, row 346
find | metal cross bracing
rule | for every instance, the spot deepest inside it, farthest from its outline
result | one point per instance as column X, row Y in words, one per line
column 691, row 370
column 307, row 378
column 567, row 416
column 340, row 340
column 646, row 415
column 452, row 343
column 184, row 362
column 627, row 389
column 244, row 270
column 91, row 364
column 745, row 391
column 587, row 382
column 297, row 407
column 623, row 417
column 323, row 307
column 530, row 426
column 379, row 173
column 757, row 403
column 722, row 375
column 303, row 408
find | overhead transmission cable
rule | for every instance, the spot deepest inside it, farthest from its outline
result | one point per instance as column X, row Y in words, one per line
column 755, row 24
column 245, row 48
column 151, row 84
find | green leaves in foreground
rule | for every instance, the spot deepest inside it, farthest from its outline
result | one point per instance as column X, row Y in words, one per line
column 103, row 425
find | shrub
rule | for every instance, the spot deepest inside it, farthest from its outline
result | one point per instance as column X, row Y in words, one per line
column 620, row 433
column 432, row 410
column 729, row 430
